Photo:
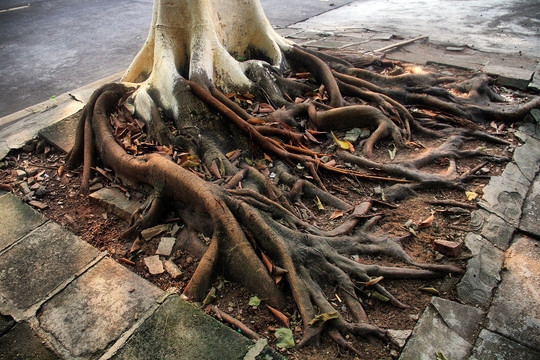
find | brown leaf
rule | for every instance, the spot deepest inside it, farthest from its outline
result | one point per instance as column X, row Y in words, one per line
column 267, row 262
column 61, row 170
column 266, row 108
column 426, row 222
column 312, row 138
column 337, row 214
column 303, row 75
column 232, row 155
column 256, row 121
column 373, row 281
column 215, row 169
column 279, row 315
column 267, row 158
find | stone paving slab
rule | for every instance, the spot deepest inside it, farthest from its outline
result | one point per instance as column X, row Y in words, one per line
column 508, row 75
column 62, row 134
column 515, row 310
column 6, row 323
column 446, row 327
column 504, row 196
column 177, row 331
column 527, row 159
column 16, row 219
column 530, row 220
column 40, row 262
column 482, row 274
column 116, row 202
column 496, row 347
column 492, row 228
column 95, row 309
column 22, row 343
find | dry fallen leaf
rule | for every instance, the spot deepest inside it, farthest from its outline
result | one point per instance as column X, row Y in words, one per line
column 374, row 281
column 426, row 222
column 215, row 169
column 279, row 315
column 345, row 145
column 471, row 195
column 337, row 214
column 267, row 262
column 256, row 121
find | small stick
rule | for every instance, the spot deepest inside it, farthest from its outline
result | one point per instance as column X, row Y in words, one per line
column 236, row 323
column 399, row 44
column 451, row 203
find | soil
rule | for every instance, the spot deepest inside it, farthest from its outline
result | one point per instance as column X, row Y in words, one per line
column 57, row 191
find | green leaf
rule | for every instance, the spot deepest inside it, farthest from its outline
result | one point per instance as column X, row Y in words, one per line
column 284, row 338
column 377, row 295
column 440, row 356
column 131, row 108
column 254, row 301
column 322, row 318
column 210, row 297
column 430, row 290
column 319, row 203
column 248, row 161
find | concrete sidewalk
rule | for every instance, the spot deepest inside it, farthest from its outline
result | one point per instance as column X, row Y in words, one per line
column 59, row 293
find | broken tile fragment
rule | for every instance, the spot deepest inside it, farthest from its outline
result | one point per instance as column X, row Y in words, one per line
column 166, row 245
column 448, row 248
column 172, row 269
column 38, row 204
column 154, row 265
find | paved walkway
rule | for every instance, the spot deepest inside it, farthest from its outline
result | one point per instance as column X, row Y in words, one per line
column 57, row 290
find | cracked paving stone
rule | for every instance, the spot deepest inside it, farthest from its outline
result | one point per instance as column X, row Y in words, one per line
column 527, row 159
column 16, row 219
column 504, row 197
column 515, row 310
column 492, row 227
column 482, row 273
column 41, row 261
column 22, row 343
column 530, row 220
column 96, row 308
column 445, row 326
column 494, row 346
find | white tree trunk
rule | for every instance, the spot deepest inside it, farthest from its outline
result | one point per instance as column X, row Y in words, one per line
column 207, row 41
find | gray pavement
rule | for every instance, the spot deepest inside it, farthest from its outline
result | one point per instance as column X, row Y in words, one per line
column 50, row 47
column 496, row 315
column 60, row 297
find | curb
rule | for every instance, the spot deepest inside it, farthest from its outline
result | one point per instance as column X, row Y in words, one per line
column 14, row 132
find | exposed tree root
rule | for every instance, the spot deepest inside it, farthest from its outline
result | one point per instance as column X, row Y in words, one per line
column 197, row 141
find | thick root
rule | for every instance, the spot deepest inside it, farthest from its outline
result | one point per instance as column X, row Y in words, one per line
column 206, row 145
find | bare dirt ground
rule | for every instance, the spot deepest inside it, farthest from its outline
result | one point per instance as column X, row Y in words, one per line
column 37, row 176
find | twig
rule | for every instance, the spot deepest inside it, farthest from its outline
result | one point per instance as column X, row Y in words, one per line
column 235, row 322
column 451, row 203
column 399, row 44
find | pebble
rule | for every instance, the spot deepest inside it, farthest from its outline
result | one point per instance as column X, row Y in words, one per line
column 25, row 188
column 20, row 174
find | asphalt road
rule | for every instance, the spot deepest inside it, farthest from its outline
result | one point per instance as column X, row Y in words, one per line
column 49, row 47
